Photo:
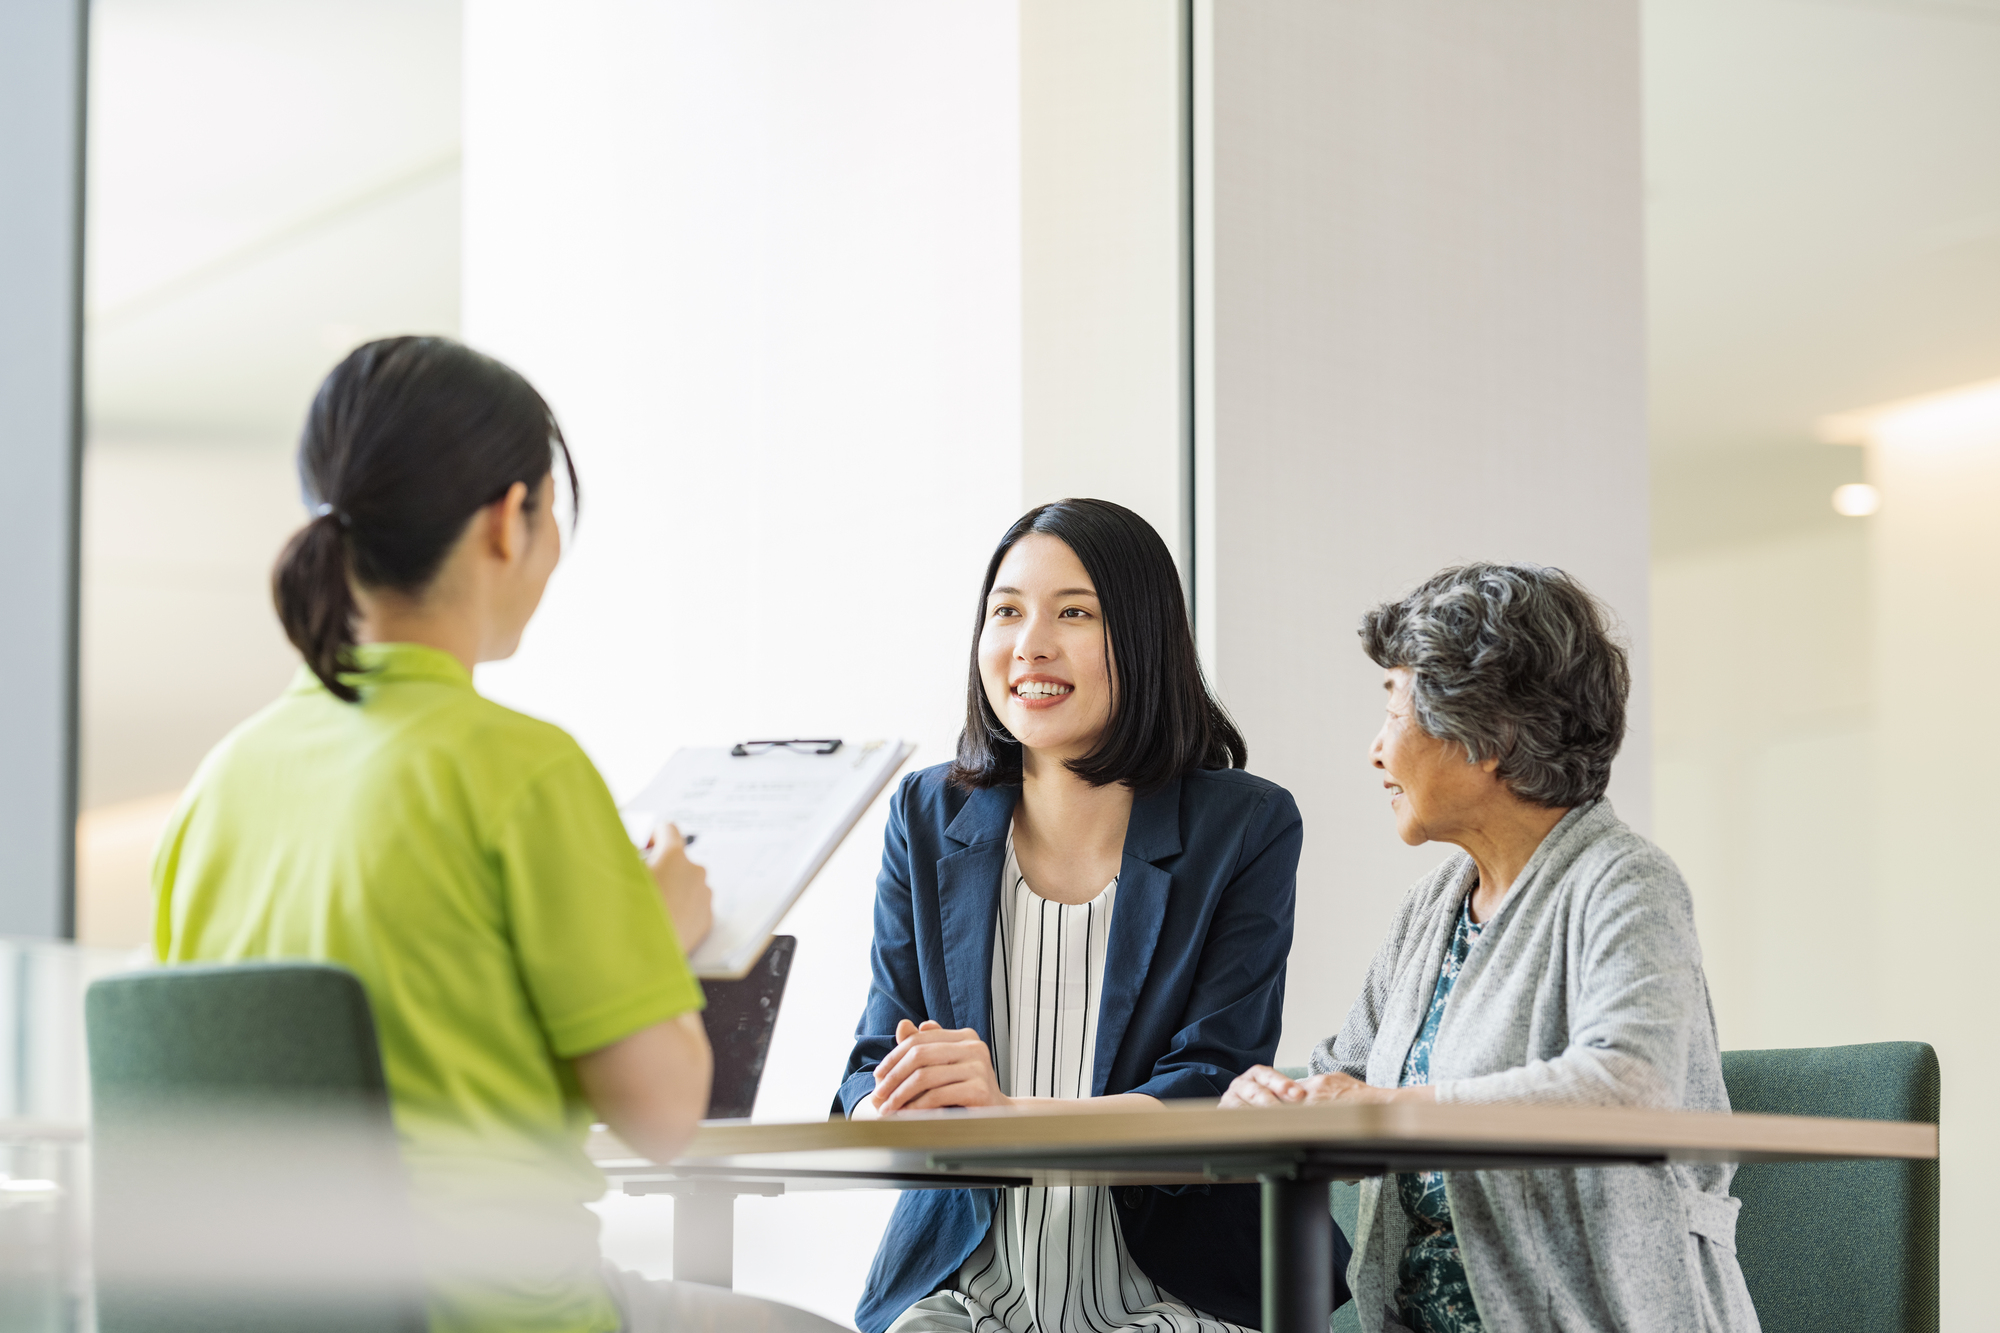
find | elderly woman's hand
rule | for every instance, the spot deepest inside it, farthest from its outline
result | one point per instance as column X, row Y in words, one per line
column 1262, row 1085
column 1351, row 1091
column 1265, row 1086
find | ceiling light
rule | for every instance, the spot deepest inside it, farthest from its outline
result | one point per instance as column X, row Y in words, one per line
column 1970, row 414
column 29, row 1187
column 1856, row 499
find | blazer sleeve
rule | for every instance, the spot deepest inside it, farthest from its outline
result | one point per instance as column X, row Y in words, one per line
column 1236, row 1005
column 1632, row 1020
column 895, row 988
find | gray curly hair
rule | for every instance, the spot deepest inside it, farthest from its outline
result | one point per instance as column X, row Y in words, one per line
column 1515, row 663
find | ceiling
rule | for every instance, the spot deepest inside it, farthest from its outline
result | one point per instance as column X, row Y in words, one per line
column 1823, row 217
column 268, row 185
column 1823, row 210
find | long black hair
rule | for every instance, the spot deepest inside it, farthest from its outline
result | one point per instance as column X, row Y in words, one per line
column 1164, row 722
column 407, row 439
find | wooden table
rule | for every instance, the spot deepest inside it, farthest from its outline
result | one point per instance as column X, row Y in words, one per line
column 1293, row 1151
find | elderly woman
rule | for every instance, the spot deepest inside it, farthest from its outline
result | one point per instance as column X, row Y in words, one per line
column 1552, row 960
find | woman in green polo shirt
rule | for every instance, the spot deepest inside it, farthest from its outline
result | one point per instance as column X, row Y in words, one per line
column 525, row 964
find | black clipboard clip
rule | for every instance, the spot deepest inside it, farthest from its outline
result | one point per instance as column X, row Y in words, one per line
column 744, row 749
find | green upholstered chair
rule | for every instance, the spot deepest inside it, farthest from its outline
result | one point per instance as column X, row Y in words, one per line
column 1345, row 1196
column 246, row 1167
column 1824, row 1245
column 1839, row 1245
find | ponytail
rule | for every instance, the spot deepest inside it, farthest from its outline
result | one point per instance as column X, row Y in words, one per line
column 316, row 603
column 407, row 439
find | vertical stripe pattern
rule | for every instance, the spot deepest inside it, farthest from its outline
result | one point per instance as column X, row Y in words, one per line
column 1055, row 1260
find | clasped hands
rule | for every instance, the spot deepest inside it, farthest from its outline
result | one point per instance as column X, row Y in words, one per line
column 932, row 1067
column 1262, row 1085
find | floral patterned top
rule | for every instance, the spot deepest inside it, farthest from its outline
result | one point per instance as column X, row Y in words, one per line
column 1432, row 1292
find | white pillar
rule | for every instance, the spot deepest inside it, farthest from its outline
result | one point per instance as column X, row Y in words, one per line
column 1104, row 258
column 1418, row 330
column 42, row 49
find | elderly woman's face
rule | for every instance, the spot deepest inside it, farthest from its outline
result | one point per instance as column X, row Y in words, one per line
column 1432, row 789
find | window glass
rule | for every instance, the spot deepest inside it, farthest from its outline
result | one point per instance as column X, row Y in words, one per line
column 268, row 186
column 1824, row 237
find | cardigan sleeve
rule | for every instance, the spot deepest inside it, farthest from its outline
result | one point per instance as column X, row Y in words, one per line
column 1346, row 1052
column 1639, row 991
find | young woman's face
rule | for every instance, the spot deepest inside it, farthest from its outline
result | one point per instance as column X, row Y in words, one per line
column 1043, row 656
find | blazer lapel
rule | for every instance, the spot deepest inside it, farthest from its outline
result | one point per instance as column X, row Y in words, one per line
column 1153, row 834
column 969, row 904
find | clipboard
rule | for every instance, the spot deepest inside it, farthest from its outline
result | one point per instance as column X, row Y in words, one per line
column 765, row 815
column 739, row 1019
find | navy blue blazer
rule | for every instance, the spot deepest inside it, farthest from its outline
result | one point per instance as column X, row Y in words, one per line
column 1194, row 986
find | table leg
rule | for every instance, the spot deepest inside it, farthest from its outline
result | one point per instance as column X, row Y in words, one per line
column 1298, row 1255
column 705, row 1236
column 705, row 1223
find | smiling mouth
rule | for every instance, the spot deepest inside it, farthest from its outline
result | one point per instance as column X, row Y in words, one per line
column 1394, row 791
column 1035, row 690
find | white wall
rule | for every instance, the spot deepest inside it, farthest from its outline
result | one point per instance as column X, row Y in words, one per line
column 1935, row 790
column 764, row 261
column 1764, row 756
column 1418, row 306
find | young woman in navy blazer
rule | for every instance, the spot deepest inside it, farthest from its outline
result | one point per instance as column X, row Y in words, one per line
column 1096, row 872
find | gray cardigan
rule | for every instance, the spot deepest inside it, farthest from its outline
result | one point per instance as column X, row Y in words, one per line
column 1584, row 989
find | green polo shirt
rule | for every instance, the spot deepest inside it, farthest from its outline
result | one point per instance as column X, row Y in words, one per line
column 468, row 864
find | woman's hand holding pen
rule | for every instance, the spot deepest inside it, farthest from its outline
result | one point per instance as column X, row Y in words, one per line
column 684, row 886
column 933, row 1067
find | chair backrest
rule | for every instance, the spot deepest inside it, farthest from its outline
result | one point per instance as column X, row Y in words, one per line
column 246, row 1168
column 1837, row 1245
column 286, row 1033
column 1824, row 1245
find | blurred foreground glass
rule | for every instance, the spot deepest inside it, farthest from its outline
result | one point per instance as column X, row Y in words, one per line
column 224, row 1218
column 45, row 1271
column 223, row 1215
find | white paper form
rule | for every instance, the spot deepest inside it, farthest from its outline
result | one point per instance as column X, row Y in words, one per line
column 764, row 823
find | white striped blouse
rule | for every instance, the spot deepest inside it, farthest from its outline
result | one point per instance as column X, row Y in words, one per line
column 1055, row 1260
